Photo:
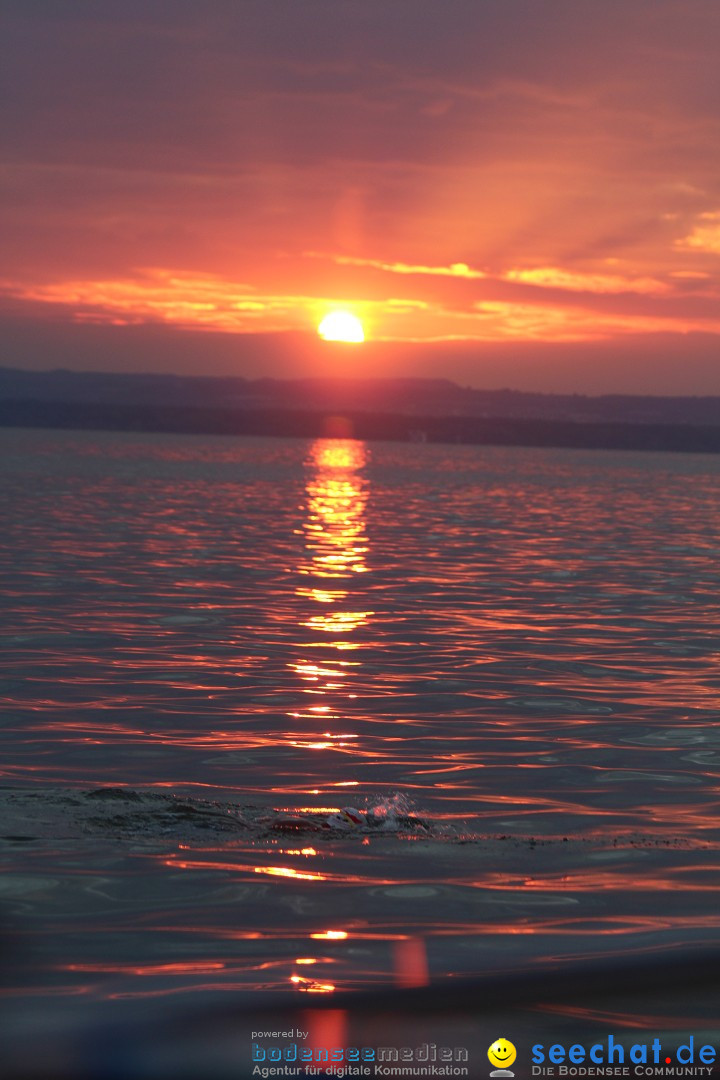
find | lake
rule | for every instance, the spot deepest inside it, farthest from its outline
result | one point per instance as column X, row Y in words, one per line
column 505, row 661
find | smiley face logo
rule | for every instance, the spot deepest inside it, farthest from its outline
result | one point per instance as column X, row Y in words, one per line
column 502, row 1053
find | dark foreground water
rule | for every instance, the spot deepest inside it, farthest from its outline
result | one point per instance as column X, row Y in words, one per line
column 507, row 661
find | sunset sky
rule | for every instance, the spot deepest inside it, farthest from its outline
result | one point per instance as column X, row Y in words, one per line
column 505, row 192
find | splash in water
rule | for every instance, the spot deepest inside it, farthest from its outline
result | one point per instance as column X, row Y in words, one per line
column 389, row 814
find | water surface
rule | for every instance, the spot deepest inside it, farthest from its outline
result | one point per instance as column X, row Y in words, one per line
column 515, row 650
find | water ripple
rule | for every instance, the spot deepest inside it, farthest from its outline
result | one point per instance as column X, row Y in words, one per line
column 525, row 643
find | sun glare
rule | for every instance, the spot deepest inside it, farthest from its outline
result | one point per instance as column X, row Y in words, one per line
column 341, row 326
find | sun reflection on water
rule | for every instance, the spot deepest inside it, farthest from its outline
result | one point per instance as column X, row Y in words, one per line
column 335, row 524
column 336, row 548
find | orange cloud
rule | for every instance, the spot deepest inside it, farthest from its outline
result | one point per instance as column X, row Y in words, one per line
column 456, row 270
column 185, row 299
column 211, row 302
column 705, row 236
column 690, row 275
column 552, row 277
column 536, row 322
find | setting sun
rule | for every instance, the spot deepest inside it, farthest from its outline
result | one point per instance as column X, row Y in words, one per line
column 341, row 326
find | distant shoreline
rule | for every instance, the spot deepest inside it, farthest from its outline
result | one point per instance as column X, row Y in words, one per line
column 371, row 426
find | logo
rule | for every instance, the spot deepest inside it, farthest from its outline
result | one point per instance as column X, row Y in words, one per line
column 501, row 1054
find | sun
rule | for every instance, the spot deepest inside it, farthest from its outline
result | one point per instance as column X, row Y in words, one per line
column 341, row 326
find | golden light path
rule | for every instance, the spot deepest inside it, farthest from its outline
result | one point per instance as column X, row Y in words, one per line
column 335, row 552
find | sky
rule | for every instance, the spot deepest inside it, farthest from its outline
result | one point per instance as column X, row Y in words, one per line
column 505, row 192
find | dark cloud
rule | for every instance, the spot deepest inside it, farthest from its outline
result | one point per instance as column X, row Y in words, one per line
column 282, row 80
